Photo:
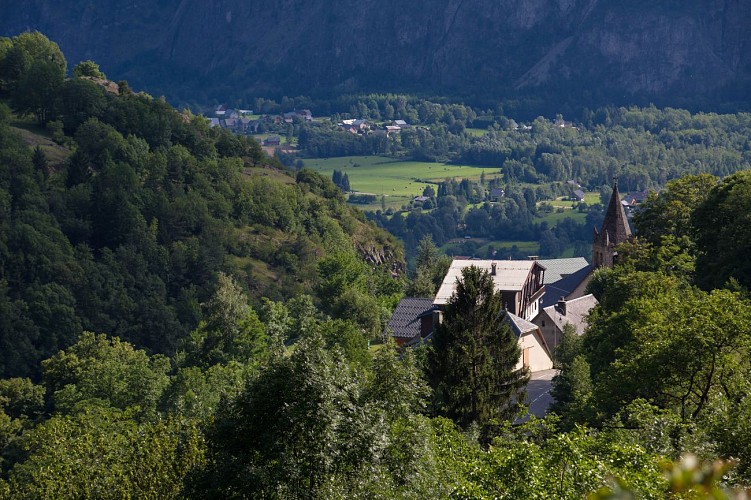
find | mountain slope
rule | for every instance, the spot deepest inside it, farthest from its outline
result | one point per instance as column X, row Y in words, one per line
column 575, row 50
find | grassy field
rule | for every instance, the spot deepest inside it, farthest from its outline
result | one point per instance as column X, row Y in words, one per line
column 399, row 181
column 34, row 135
column 569, row 209
column 479, row 247
column 555, row 217
column 476, row 132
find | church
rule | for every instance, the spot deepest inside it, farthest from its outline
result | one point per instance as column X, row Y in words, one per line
column 542, row 295
column 614, row 231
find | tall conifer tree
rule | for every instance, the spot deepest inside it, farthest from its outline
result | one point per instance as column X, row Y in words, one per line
column 473, row 361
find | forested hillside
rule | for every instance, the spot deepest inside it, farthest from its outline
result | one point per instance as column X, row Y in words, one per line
column 127, row 233
column 180, row 317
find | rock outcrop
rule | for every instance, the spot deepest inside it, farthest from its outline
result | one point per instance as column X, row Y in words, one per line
column 576, row 50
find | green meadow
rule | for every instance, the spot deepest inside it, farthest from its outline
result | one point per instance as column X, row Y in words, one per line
column 397, row 180
column 483, row 248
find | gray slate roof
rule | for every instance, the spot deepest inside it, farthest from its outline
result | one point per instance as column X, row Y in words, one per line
column 562, row 276
column 405, row 322
column 576, row 313
column 556, row 269
column 519, row 325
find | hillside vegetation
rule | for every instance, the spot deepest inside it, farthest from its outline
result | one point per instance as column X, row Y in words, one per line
column 182, row 318
column 122, row 225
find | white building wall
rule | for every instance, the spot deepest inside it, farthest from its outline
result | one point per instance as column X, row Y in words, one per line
column 538, row 356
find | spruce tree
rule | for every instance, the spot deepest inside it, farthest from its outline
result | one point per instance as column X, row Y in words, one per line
column 345, row 183
column 473, row 360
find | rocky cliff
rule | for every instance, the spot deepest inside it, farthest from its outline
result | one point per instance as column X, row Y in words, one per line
column 570, row 50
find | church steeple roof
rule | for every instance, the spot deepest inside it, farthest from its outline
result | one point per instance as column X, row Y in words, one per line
column 615, row 229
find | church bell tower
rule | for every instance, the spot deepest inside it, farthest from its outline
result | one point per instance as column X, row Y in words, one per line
column 614, row 231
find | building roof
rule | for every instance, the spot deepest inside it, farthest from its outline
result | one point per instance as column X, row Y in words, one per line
column 556, row 269
column 579, row 194
column 564, row 286
column 510, row 275
column 615, row 229
column 576, row 312
column 405, row 322
column 520, row 326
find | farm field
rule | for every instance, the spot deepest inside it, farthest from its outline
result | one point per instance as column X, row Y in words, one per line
column 483, row 248
column 554, row 218
column 476, row 132
column 399, row 181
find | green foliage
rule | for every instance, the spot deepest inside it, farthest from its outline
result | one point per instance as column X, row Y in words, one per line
column 17, row 57
column 87, row 68
column 723, row 225
column 669, row 212
column 474, row 355
column 298, row 424
column 348, row 289
column 130, row 234
column 431, row 267
column 104, row 453
column 397, row 383
column 537, row 461
column 231, row 331
column 688, row 359
column 196, row 393
column 107, row 372
column 572, row 392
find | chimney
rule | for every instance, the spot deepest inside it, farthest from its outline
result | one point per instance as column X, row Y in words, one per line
column 561, row 306
column 492, row 269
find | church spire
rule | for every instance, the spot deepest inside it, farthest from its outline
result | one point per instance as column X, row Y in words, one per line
column 614, row 231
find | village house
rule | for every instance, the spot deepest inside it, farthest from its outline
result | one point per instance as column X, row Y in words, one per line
column 355, row 125
column 496, row 194
column 535, row 353
column 553, row 319
column 520, row 283
column 577, row 195
column 566, row 277
column 539, row 296
column 412, row 320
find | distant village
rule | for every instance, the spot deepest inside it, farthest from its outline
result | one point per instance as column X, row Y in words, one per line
column 270, row 129
column 243, row 121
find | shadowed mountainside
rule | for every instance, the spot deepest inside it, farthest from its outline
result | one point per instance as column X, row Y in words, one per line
column 573, row 51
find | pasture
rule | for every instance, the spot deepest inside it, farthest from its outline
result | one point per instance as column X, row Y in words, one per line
column 483, row 248
column 397, row 180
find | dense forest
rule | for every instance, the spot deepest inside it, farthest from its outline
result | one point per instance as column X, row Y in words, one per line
column 182, row 316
